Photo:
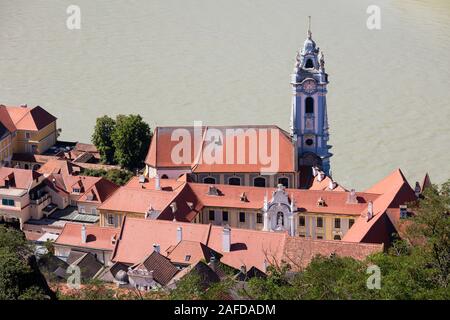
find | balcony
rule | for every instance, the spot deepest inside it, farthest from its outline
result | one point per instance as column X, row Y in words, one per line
column 40, row 200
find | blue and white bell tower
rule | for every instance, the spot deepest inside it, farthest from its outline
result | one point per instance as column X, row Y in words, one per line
column 309, row 123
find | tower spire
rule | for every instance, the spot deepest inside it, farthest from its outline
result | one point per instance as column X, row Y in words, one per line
column 309, row 27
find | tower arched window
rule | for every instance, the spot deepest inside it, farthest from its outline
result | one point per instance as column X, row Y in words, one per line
column 164, row 176
column 259, row 182
column 309, row 105
column 234, row 181
column 309, row 64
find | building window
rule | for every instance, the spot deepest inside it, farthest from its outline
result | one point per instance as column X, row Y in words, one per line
column 94, row 211
column 241, row 216
column 82, row 209
column 319, row 222
column 337, row 237
column 209, row 180
column 319, row 237
column 301, row 221
column 259, row 182
column 350, row 223
column 259, row 218
column 284, row 181
column 309, row 142
column 8, row 202
column 110, row 219
column 234, row 181
column 187, row 258
column 76, row 190
column 337, row 223
column 164, row 176
column 27, row 135
column 309, row 105
column 211, row 215
column 309, row 64
column 225, row 216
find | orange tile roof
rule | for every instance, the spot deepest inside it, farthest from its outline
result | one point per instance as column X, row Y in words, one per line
column 138, row 236
column 6, row 120
column 248, row 247
column 300, row 251
column 394, row 190
column 161, row 147
column 30, row 119
column 190, row 198
column 97, row 237
column 18, row 178
column 58, row 166
column 306, row 200
column 101, row 190
column 195, row 251
column 138, row 201
column 325, row 184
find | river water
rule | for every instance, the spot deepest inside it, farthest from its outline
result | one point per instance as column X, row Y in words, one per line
column 229, row 62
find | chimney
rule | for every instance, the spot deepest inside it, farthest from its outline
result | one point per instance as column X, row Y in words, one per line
column 370, row 210
column 315, row 171
column 331, row 184
column 83, row 233
column 403, row 211
column 264, row 266
column 113, row 239
column 417, row 189
column 24, row 105
column 179, row 234
column 226, row 239
column 243, row 269
column 320, row 176
column 173, row 206
column 351, row 199
column 213, row 263
column 156, row 247
column 157, row 182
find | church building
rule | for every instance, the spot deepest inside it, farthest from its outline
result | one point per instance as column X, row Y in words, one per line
column 296, row 153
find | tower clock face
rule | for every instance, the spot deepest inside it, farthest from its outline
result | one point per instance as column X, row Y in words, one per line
column 309, row 86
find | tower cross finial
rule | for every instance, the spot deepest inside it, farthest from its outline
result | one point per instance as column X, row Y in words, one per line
column 309, row 27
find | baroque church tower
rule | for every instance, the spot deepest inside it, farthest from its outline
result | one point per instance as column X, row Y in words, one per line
column 309, row 123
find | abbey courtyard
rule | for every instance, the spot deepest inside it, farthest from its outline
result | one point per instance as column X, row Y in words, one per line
column 246, row 197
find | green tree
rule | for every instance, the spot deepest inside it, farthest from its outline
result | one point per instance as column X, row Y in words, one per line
column 429, row 228
column 102, row 138
column 19, row 275
column 188, row 288
column 131, row 139
column 118, row 176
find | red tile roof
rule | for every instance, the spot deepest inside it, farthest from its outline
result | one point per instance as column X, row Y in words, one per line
column 395, row 191
column 162, row 146
column 97, row 237
column 92, row 189
column 306, row 200
column 58, row 166
column 189, row 252
column 17, row 178
column 300, row 251
column 248, row 247
column 24, row 118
